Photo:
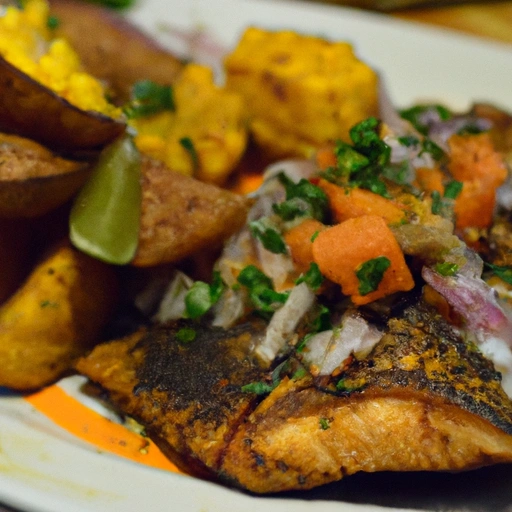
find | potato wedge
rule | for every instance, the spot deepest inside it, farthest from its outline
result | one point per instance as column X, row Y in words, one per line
column 54, row 317
column 33, row 180
column 15, row 257
column 31, row 110
column 181, row 215
column 114, row 50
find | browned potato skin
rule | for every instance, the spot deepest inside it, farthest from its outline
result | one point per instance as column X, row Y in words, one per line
column 113, row 50
column 31, row 110
column 34, row 181
column 181, row 215
column 56, row 316
column 15, row 259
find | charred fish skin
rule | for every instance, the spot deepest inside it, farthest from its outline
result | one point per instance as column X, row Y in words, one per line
column 423, row 400
column 186, row 392
column 422, row 351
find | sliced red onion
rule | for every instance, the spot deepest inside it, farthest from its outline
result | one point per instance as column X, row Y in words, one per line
column 327, row 350
column 295, row 169
column 474, row 300
column 440, row 131
column 284, row 322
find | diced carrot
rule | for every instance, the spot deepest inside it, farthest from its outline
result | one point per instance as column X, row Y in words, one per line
column 474, row 157
column 347, row 203
column 474, row 207
column 341, row 250
column 299, row 242
column 325, row 157
column 430, row 180
column 481, row 169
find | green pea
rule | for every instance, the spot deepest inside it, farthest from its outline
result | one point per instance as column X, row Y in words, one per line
column 105, row 217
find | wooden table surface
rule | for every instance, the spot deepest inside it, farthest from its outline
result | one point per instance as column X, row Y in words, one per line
column 487, row 19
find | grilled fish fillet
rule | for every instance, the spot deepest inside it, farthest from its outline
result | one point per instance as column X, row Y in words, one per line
column 424, row 399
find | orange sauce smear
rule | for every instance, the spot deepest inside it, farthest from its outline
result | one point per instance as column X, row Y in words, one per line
column 86, row 424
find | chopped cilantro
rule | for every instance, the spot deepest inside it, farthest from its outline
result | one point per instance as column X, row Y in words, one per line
column 503, row 272
column 348, row 159
column 114, row 4
column 261, row 289
column 303, row 199
column 202, row 296
column 186, row 335
column 429, row 146
column 48, row 304
column 325, row 423
column 366, row 139
column 343, row 386
column 313, row 277
column 437, row 202
column 300, row 373
column 149, row 98
column 269, row 237
column 315, row 234
column 188, row 144
column 421, row 116
column 362, row 164
column 408, row 140
column 453, row 189
column 259, row 388
column 447, row 269
column 322, row 320
column 370, row 274
column 52, row 22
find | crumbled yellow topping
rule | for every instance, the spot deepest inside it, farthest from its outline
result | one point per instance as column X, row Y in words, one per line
column 205, row 114
column 26, row 42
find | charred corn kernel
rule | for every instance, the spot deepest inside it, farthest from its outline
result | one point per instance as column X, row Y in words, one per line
column 27, row 43
column 211, row 118
column 311, row 89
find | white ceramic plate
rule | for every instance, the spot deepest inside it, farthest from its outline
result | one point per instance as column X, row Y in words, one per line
column 45, row 469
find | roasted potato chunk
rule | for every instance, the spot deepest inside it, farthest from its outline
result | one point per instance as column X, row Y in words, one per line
column 114, row 51
column 204, row 136
column 33, row 180
column 301, row 91
column 45, row 94
column 54, row 317
column 181, row 215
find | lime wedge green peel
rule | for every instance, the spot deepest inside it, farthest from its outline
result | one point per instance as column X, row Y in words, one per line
column 105, row 218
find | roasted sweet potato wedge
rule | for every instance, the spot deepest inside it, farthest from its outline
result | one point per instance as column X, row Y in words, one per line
column 114, row 50
column 181, row 215
column 54, row 317
column 33, row 180
column 31, row 110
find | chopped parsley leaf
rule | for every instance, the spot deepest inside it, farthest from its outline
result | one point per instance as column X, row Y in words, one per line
column 325, row 423
column 437, row 202
column 446, row 268
column 453, row 189
column 186, row 335
column 313, row 277
column 370, row 274
column 503, row 272
column 259, row 388
column 269, row 237
column 188, row 145
column 202, row 296
column 421, row 116
column 149, row 98
column 303, row 199
column 429, row 146
column 261, row 289
column 52, row 22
